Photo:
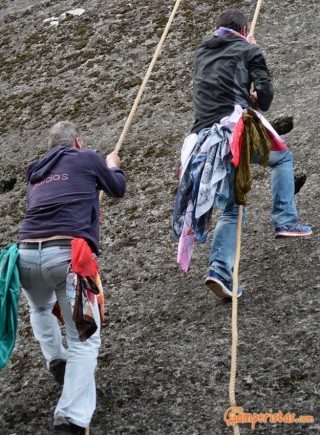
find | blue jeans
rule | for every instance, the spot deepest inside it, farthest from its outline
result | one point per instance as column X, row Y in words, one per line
column 43, row 274
column 222, row 254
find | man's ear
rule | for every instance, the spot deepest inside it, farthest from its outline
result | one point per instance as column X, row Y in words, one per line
column 243, row 31
column 78, row 143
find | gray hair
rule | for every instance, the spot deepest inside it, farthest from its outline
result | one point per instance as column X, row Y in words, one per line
column 64, row 133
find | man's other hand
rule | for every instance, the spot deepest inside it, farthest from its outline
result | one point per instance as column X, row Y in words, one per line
column 253, row 97
column 252, row 40
column 254, row 100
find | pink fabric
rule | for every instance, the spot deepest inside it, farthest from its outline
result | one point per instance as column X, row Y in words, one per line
column 186, row 240
column 236, row 142
column 278, row 144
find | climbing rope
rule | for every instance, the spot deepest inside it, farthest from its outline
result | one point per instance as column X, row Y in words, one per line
column 234, row 319
column 139, row 95
column 255, row 17
column 145, row 81
column 122, row 137
column 234, row 344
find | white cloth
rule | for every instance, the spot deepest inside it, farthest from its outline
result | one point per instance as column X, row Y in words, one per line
column 186, row 151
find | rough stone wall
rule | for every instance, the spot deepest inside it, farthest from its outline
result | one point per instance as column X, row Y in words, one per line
column 165, row 355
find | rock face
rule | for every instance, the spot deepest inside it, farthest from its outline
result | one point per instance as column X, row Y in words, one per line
column 165, row 354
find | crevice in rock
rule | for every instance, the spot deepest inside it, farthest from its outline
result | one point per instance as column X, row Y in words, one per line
column 299, row 181
column 283, row 125
column 7, row 184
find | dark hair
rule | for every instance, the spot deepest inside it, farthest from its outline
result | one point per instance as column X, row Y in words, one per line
column 231, row 18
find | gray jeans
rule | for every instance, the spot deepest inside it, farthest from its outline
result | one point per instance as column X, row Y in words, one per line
column 43, row 274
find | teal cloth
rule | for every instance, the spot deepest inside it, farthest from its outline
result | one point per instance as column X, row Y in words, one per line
column 9, row 298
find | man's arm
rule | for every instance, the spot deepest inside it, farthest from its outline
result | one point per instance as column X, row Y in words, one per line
column 260, row 77
column 110, row 178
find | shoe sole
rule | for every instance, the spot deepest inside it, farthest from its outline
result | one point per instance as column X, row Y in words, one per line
column 292, row 234
column 218, row 288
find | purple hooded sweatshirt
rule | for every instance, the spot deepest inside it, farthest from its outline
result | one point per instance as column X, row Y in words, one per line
column 63, row 197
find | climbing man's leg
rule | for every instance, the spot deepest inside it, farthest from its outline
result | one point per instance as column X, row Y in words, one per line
column 284, row 211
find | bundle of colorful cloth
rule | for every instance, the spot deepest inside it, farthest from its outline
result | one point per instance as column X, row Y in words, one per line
column 206, row 160
column 82, row 285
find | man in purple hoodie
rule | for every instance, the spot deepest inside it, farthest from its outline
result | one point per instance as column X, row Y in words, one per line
column 63, row 203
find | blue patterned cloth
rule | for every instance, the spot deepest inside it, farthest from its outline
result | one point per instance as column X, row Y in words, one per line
column 204, row 181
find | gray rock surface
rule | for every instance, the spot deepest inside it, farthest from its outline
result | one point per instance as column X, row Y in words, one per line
column 165, row 355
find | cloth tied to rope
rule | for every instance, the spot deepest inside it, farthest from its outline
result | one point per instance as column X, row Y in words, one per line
column 9, row 299
column 206, row 160
column 255, row 142
column 251, row 141
column 203, row 179
column 82, row 285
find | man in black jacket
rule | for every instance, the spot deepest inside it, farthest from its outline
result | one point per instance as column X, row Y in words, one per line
column 225, row 65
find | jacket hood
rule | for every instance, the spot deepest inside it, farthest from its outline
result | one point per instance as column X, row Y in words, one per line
column 219, row 41
column 40, row 168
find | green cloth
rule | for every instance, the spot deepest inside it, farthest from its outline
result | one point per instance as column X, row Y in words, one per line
column 9, row 298
column 255, row 141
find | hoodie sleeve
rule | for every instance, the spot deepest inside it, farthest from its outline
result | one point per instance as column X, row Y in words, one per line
column 260, row 76
column 111, row 180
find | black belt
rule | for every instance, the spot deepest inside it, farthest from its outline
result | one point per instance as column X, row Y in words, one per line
column 45, row 244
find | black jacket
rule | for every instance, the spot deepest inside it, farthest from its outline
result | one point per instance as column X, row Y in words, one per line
column 223, row 69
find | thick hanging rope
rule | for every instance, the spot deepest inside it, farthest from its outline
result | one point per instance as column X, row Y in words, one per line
column 234, row 320
column 238, row 245
column 145, row 81
column 255, row 18
column 234, row 344
column 140, row 93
